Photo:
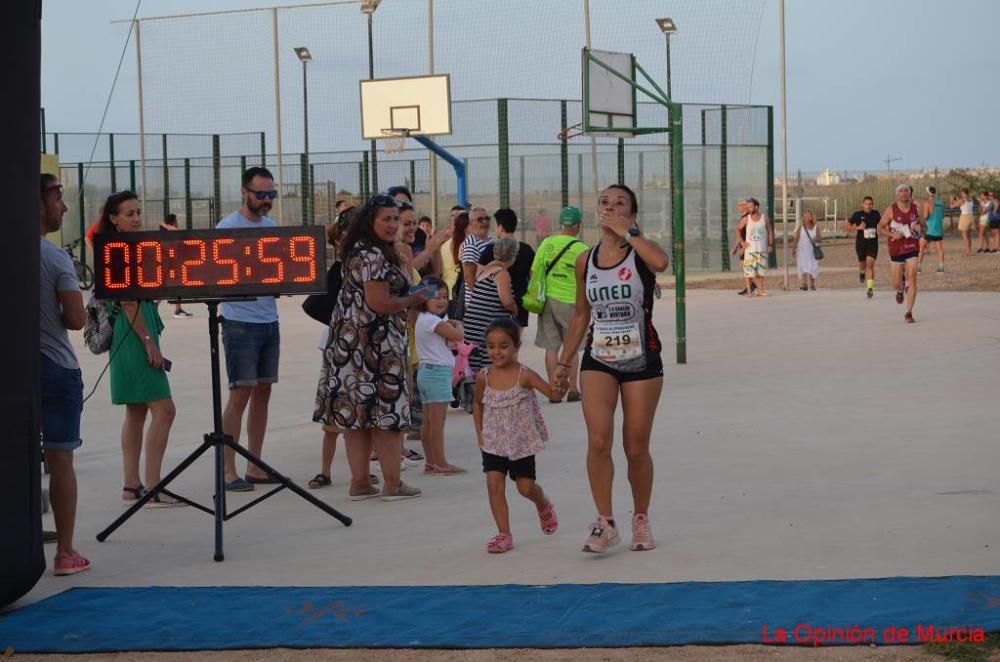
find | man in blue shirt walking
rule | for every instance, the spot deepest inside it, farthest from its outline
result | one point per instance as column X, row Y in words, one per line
column 251, row 341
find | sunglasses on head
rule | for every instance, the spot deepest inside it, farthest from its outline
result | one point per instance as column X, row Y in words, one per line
column 383, row 201
column 405, row 204
column 263, row 195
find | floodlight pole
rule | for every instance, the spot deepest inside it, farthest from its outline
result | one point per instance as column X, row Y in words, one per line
column 670, row 152
column 677, row 199
column 593, row 140
column 433, row 157
column 142, row 123
column 279, row 207
column 371, row 75
column 784, row 143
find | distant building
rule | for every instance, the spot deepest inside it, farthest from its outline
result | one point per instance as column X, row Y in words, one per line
column 828, row 178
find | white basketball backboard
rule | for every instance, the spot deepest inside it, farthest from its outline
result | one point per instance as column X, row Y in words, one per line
column 608, row 101
column 419, row 104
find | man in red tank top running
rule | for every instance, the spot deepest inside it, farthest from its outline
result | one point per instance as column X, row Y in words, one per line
column 903, row 223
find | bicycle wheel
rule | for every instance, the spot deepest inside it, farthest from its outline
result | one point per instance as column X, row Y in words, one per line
column 85, row 274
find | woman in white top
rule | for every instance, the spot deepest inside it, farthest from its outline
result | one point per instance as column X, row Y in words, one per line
column 807, row 235
column 966, row 219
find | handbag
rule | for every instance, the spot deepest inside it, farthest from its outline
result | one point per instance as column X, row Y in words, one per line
column 534, row 299
column 817, row 249
column 99, row 325
column 320, row 306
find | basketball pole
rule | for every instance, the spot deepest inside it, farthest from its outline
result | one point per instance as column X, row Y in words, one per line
column 593, row 140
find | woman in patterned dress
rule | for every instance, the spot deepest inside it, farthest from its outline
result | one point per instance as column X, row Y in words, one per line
column 363, row 388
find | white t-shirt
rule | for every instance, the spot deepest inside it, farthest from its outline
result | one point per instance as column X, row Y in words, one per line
column 431, row 348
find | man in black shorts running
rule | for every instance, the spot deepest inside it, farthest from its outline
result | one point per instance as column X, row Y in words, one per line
column 865, row 224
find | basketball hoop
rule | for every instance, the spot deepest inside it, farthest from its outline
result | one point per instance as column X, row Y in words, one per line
column 571, row 131
column 393, row 140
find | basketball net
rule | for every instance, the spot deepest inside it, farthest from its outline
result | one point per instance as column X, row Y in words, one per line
column 394, row 140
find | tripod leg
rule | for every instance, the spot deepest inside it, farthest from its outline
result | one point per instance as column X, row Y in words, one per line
column 156, row 489
column 220, row 500
column 287, row 482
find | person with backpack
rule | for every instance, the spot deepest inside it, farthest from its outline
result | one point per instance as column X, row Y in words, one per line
column 555, row 260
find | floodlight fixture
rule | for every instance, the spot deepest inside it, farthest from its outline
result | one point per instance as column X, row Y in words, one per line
column 666, row 25
column 369, row 6
column 303, row 54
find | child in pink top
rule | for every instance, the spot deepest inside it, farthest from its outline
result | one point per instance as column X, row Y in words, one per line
column 510, row 430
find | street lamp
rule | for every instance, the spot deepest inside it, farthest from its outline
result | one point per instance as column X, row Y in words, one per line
column 305, row 57
column 368, row 8
column 667, row 27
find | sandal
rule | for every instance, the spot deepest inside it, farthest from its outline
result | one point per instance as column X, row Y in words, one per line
column 500, row 543
column 136, row 492
column 320, row 480
column 573, row 396
column 548, row 520
column 163, row 501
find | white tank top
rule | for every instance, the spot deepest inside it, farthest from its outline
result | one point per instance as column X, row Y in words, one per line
column 757, row 235
column 621, row 307
column 967, row 208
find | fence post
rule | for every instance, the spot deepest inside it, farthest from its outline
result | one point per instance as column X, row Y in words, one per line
column 724, row 190
column 639, row 190
column 263, row 152
column 217, row 179
column 563, row 156
column 45, row 144
column 55, row 137
column 131, row 175
column 621, row 162
column 704, row 194
column 361, row 180
column 166, row 179
column 579, row 181
column 772, row 258
column 188, row 207
column 365, row 181
column 312, row 194
column 304, row 187
column 111, row 160
column 413, row 177
column 81, row 212
column 677, row 200
column 524, row 208
column 503, row 152
column 243, row 165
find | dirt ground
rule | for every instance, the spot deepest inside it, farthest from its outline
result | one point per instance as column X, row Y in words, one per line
column 677, row 654
column 838, row 270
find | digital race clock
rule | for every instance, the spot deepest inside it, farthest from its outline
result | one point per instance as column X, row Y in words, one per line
column 210, row 264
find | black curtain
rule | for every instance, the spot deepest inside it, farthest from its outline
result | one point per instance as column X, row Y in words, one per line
column 20, row 482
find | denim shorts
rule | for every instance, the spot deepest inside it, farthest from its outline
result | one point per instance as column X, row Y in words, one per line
column 252, row 351
column 62, row 406
column 434, row 382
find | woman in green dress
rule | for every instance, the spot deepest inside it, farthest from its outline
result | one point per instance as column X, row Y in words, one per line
column 138, row 379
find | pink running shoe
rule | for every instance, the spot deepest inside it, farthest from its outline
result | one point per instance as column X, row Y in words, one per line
column 642, row 537
column 602, row 536
column 70, row 564
column 500, row 543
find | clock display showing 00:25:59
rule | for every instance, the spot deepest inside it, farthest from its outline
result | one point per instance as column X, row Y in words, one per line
column 214, row 262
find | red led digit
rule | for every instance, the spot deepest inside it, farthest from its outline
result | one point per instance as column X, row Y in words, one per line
column 263, row 259
column 127, row 276
column 141, row 248
column 185, row 281
column 225, row 261
column 309, row 259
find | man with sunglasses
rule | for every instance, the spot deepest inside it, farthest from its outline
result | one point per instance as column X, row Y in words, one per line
column 251, row 340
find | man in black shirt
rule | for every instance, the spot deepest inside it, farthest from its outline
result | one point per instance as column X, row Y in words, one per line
column 520, row 271
column 865, row 224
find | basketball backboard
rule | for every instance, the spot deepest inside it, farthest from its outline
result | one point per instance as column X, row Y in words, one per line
column 420, row 105
column 609, row 100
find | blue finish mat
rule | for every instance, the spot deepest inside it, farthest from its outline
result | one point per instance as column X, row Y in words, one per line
column 564, row 615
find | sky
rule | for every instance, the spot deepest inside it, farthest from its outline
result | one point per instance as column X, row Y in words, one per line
column 866, row 79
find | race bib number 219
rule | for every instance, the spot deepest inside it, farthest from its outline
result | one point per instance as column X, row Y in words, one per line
column 614, row 342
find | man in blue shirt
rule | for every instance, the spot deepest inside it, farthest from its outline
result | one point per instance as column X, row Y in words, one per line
column 251, row 340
